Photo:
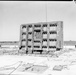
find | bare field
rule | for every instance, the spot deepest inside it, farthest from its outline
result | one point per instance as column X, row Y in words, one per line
column 65, row 64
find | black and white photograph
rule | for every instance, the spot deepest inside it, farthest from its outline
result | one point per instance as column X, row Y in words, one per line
column 38, row 37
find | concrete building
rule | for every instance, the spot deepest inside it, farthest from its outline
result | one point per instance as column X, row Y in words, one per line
column 44, row 37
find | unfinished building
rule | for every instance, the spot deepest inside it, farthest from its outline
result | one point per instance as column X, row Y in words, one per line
column 44, row 37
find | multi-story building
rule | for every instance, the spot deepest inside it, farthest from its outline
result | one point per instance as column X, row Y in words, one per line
column 44, row 37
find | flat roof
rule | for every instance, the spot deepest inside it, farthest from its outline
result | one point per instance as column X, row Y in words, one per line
column 69, row 43
column 42, row 23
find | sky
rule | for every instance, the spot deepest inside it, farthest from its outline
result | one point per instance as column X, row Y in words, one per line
column 15, row 13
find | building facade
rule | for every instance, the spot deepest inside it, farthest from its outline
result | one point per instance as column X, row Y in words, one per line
column 44, row 37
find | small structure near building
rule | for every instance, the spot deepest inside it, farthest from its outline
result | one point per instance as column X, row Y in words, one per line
column 59, row 67
column 70, row 44
column 9, row 47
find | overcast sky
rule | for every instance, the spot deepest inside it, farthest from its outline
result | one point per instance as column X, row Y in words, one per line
column 13, row 14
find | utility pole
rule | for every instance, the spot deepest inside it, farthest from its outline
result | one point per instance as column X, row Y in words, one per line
column 46, row 10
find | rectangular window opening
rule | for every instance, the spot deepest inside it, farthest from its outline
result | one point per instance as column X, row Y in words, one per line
column 52, row 46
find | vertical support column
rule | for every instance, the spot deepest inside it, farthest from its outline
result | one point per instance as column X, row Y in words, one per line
column 48, row 36
column 32, row 38
column 27, row 40
column 41, row 35
column 59, row 35
column 20, row 37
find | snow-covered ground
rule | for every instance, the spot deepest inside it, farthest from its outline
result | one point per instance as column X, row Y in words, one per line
column 67, row 59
